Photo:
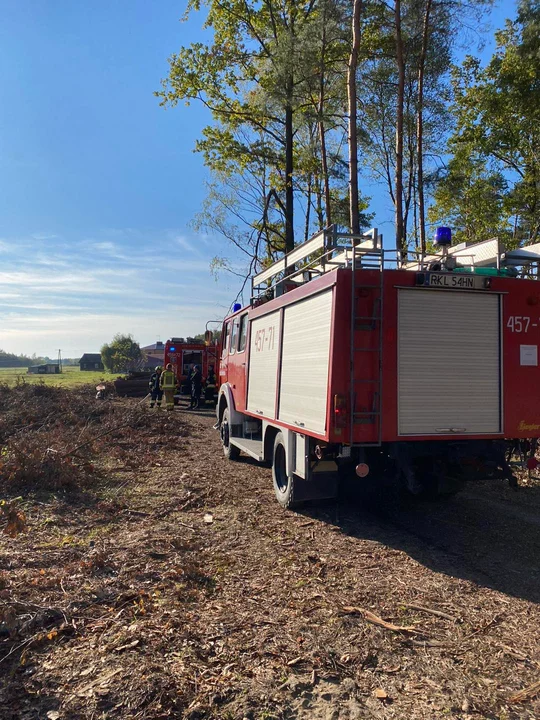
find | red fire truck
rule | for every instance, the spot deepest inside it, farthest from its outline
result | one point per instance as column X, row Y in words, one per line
column 183, row 355
column 356, row 361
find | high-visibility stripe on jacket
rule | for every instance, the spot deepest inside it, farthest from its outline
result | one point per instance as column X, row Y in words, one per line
column 168, row 379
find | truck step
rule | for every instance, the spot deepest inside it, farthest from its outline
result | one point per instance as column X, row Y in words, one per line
column 253, row 448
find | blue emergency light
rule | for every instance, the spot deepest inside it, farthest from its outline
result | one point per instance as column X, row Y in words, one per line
column 443, row 236
column 172, row 349
column 236, row 307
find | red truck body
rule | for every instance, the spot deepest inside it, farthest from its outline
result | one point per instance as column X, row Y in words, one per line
column 356, row 362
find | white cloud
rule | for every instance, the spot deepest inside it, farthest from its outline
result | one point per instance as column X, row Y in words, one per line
column 184, row 243
column 44, row 236
column 78, row 293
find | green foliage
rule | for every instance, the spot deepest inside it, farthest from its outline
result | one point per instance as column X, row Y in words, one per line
column 498, row 127
column 470, row 197
column 273, row 75
column 122, row 354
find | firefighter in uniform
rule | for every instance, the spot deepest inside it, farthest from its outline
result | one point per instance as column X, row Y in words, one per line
column 167, row 383
column 156, row 393
column 196, row 386
column 210, row 390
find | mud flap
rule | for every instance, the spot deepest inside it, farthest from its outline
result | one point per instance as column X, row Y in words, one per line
column 321, row 486
column 401, row 454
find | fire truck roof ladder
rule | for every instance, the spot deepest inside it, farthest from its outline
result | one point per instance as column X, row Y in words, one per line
column 374, row 345
column 331, row 249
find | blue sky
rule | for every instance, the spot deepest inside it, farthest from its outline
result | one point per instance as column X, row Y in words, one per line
column 98, row 183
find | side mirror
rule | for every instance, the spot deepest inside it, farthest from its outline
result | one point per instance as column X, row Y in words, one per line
column 208, row 337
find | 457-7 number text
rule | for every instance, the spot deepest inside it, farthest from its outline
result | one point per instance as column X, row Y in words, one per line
column 520, row 323
column 265, row 339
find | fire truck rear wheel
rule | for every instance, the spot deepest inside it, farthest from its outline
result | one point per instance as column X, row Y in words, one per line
column 283, row 485
column 230, row 451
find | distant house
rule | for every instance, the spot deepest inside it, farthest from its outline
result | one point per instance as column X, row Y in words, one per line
column 91, row 361
column 45, row 369
column 154, row 355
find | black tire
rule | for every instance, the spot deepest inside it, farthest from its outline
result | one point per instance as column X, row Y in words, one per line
column 230, row 451
column 283, row 485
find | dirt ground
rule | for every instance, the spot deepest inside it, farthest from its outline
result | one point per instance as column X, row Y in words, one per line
column 174, row 586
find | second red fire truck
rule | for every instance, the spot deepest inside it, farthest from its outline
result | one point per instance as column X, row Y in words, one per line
column 355, row 363
column 183, row 355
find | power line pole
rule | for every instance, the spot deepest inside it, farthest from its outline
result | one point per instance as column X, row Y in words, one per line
column 60, row 360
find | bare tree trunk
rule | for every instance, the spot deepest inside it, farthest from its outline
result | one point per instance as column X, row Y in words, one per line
column 420, row 128
column 308, row 207
column 326, row 180
column 353, row 131
column 400, row 230
column 318, row 207
column 411, row 165
column 322, row 129
column 289, row 168
column 415, row 220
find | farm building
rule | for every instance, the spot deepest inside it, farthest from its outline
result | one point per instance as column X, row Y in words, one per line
column 155, row 351
column 91, row 361
column 45, row 369
column 153, row 355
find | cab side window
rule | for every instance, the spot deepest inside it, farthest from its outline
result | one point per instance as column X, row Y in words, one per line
column 234, row 336
column 242, row 333
column 226, row 338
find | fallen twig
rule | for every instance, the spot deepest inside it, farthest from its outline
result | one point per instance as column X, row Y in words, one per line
column 376, row 620
column 526, row 693
column 519, row 655
column 432, row 611
column 179, row 522
column 485, row 626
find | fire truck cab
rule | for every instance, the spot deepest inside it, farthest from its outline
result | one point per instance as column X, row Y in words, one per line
column 426, row 371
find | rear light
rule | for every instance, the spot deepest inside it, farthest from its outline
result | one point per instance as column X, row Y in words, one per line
column 341, row 410
column 362, row 470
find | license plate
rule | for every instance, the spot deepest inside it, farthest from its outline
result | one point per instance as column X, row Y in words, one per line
column 454, row 280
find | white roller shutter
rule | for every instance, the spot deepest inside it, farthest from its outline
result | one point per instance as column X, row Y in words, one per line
column 305, row 358
column 448, row 363
column 263, row 364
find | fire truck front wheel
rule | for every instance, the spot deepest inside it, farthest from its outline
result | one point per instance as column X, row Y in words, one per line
column 283, row 485
column 231, row 452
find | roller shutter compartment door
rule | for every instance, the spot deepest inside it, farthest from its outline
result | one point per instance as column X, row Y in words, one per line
column 304, row 363
column 449, row 369
column 263, row 364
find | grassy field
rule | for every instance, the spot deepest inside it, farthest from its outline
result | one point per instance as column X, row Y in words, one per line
column 70, row 377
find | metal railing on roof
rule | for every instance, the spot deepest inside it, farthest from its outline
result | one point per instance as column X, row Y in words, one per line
column 330, row 249
column 325, row 251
